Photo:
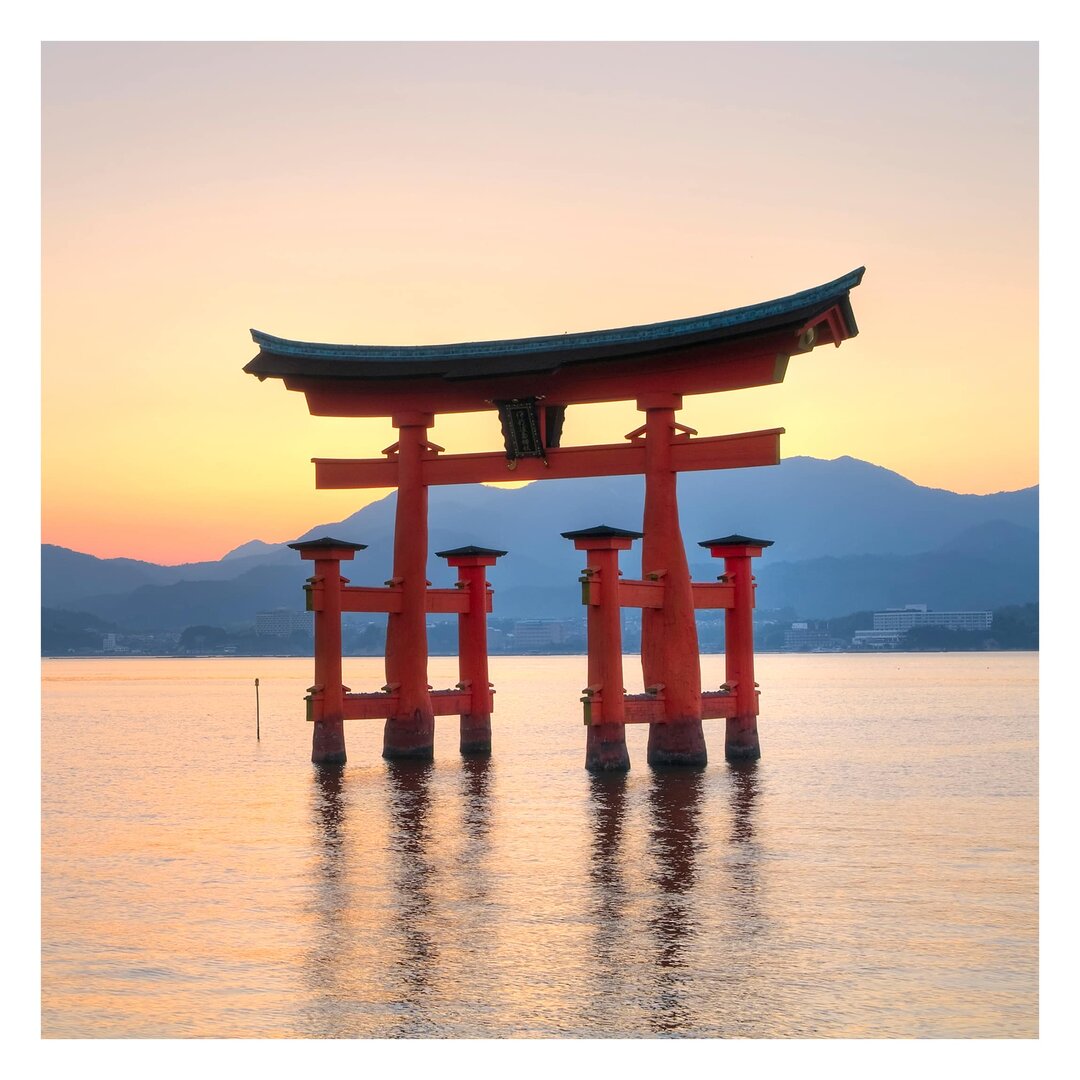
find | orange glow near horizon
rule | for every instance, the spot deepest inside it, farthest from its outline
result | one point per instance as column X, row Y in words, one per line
column 419, row 193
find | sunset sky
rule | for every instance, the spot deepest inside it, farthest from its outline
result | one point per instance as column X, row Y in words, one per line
column 419, row 193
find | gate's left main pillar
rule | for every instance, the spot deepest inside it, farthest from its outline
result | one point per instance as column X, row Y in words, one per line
column 410, row 733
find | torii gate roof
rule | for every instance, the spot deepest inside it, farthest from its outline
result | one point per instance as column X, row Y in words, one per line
column 728, row 350
column 282, row 357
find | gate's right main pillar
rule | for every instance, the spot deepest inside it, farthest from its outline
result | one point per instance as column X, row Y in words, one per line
column 669, row 643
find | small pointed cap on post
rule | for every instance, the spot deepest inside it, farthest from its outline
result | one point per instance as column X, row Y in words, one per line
column 601, row 530
column 471, row 555
column 326, row 547
column 735, row 544
column 602, row 536
column 471, row 549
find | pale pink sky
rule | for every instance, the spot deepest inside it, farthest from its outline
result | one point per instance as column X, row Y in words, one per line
column 416, row 193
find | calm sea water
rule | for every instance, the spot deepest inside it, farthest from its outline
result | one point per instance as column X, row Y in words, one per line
column 874, row 875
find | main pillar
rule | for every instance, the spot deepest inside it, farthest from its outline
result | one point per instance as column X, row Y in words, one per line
column 411, row 732
column 669, row 644
column 471, row 563
column 605, row 743
column 326, row 699
column 741, row 742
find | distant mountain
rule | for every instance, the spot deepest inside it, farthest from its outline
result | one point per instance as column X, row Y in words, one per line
column 253, row 547
column 77, row 631
column 996, row 540
column 993, row 566
column 849, row 536
column 223, row 603
column 814, row 508
column 69, row 576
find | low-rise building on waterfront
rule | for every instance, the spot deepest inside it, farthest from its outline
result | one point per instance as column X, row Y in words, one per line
column 531, row 635
column 810, row 637
column 877, row 639
column 282, row 622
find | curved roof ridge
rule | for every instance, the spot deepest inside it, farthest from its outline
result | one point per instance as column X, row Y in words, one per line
column 729, row 320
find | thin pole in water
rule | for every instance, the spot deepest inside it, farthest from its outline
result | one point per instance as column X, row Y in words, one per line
column 257, row 739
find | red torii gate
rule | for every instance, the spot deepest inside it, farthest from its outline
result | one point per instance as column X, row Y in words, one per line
column 530, row 382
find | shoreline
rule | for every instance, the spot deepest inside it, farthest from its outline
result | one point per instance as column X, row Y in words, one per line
column 522, row 655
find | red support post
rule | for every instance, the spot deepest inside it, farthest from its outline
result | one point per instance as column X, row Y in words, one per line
column 326, row 699
column 411, row 732
column 741, row 742
column 471, row 563
column 669, row 644
column 605, row 746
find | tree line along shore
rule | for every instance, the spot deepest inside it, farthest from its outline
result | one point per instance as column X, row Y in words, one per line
column 66, row 633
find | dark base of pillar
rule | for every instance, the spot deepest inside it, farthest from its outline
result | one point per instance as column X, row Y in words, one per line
column 741, row 740
column 328, row 742
column 410, row 737
column 605, row 749
column 475, row 748
column 419, row 753
column 742, row 753
column 680, row 743
column 476, row 736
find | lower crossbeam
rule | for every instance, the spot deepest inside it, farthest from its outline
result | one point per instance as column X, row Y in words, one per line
column 650, row 708
column 385, row 706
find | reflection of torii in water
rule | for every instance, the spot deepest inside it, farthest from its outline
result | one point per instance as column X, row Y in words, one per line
column 530, row 382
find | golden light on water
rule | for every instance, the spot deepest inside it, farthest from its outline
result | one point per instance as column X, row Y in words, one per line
column 875, row 875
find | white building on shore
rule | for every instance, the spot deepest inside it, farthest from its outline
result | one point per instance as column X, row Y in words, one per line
column 891, row 626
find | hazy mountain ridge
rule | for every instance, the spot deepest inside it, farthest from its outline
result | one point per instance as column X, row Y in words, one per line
column 69, row 576
column 849, row 536
column 947, row 580
column 252, row 547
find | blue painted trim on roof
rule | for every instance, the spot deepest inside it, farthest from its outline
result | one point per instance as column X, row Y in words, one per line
column 627, row 335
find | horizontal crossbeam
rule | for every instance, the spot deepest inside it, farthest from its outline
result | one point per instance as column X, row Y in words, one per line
column 641, row 594
column 739, row 451
column 650, row 708
column 718, row 704
column 384, row 706
column 710, row 595
column 370, row 598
